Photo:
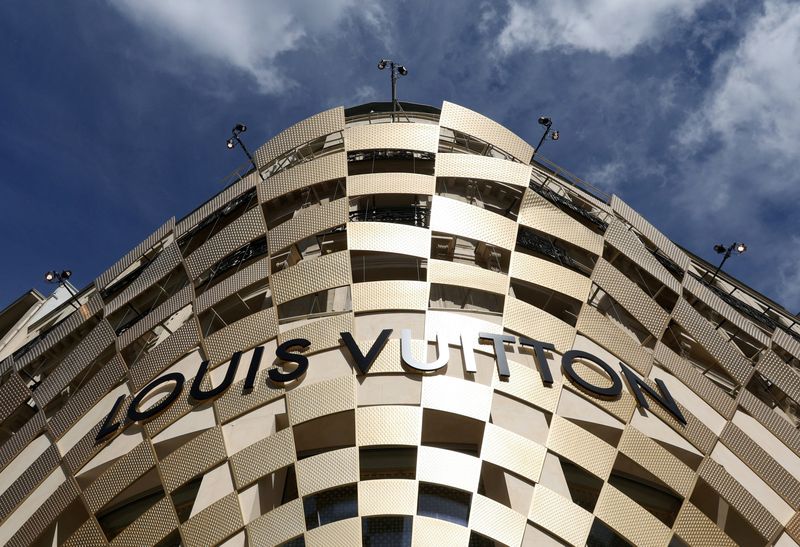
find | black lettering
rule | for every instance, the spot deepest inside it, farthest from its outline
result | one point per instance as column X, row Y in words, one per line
column 566, row 363
column 282, row 353
column 538, row 349
column 364, row 362
column 499, row 351
column 196, row 391
column 135, row 415
column 108, row 428
column 664, row 398
column 255, row 362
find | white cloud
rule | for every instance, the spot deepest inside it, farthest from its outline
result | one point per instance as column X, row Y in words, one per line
column 611, row 27
column 245, row 34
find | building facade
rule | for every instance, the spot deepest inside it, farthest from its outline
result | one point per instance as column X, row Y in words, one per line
column 400, row 330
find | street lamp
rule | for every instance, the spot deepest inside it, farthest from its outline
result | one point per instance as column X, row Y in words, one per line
column 237, row 130
column 735, row 246
column 60, row 278
column 395, row 70
column 547, row 123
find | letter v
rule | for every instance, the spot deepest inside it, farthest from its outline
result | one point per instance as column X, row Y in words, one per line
column 364, row 362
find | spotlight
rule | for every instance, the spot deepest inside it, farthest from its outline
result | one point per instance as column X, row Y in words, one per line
column 544, row 120
column 240, row 128
column 50, row 276
column 382, row 64
column 740, row 248
column 719, row 248
column 66, row 274
column 402, row 70
column 231, row 144
column 554, row 135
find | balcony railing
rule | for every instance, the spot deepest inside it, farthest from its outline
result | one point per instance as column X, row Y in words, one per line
column 411, row 216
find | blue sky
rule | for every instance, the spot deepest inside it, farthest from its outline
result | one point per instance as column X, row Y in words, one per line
column 115, row 113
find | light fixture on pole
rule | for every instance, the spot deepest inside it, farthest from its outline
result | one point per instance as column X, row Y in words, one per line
column 720, row 249
column 60, row 278
column 396, row 70
column 237, row 130
column 554, row 135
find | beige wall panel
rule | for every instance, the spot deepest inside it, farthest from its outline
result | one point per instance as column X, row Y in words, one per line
column 624, row 240
column 195, row 457
column 399, row 136
column 323, row 333
column 330, row 167
column 539, row 214
column 327, row 470
column 656, row 459
column 647, row 229
column 723, row 308
column 243, row 334
column 387, row 497
column 214, row 523
column 741, row 500
column 88, row 535
column 715, row 343
column 467, row 121
column 455, row 217
column 535, row 323
column 581, row 447
column 120, row 265
column 483, row 167
column 241, row 231
column 307, row 222
column 631, row 297
column 496, row 521
column 302, row 132
column 256, row 271
column 793, row 527
column 321, row 399
column 280, row 524
column 467, row 275
column 389, row 360
column 335, row 534
column 689, row 375
column 447, row 467
column 457, row 396
column 13, row 393
column 390, row 295
column 762, row 463
column 45, row 514
column 169, row 351
column 389, row 237
column 388, row 425
column 697, row 530
column 36, row 471
column 513, row 452
column 603, row 332
column 526, row 384
column 391, row 183
column 778, row 426
column 560, row 516
column 150, row 528
column 262, row 458
column 630, row 519
column 550, row 275
column 121, row 474
column 216, row 203
column 430, row 532
column 164, row 263
column 310, row 276
column 235, row 402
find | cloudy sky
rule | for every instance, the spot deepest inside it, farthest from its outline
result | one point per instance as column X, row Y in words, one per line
column 115, row 113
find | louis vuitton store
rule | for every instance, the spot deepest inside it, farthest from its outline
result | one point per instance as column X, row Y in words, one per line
column 400, row 331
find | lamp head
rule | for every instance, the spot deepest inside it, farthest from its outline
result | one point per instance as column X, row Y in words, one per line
column 402, row 70
column 719, row 248
column 554, row 135
column 66, row 274
column 740, row 248
column 239, row 128
column 382, row 64
column 544, row 120
column 230, row 144
column 50, row 276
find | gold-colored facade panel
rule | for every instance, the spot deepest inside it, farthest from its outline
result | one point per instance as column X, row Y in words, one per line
column 164, row 263
column 327, row 470
column 279, row 525
column 388, row 237
column 466, row 275
column 535, row 323
column 779, row 373
column 581, row 447
column 89, row 534
column 335, row 534
column 697, row 530
column 237, row 401
column 323, row 333
column 793, row 527
column 656, row 459
column 216, row 203
column 118, row 267
column 388, row 425
column 621, row 408
column 390, row 295
column 630, row 519
column 550, row 275
column 430, row 532
column 539, row 214
column 150, row 528
column 244, row 334
column 119, row 476
column 195, row 457
column 457, row 396
column 321, row 399
column 467, row 121
column 483, row 167
column 458, row 218
column 560, row 516
column 302, row 132
column 526, row 384
column 310, row 276
column 262, row 458
column 391, row 183
column 448, row 467
column 770, row 419
column 513, row 452
column 496, row 521
column 387, row 497
column 396, row 136
column 785, row 341
column 330, row 167
column 308, row 222
column 245, row 277
column 213, row 524
column 603, row 332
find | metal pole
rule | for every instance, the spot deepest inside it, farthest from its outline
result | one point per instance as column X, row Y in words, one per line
column 724, row 258
column 394, row 90
column 544, row 135
column 247, row 153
